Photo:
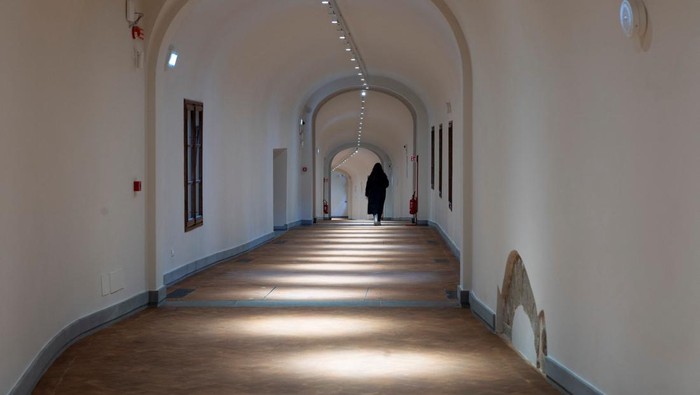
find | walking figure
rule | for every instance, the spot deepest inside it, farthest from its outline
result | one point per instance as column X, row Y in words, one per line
column 377, row 182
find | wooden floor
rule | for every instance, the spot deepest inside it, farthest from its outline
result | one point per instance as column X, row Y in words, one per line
column 335, row 308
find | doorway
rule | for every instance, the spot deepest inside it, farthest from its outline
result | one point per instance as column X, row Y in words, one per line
column 339, row 194
column 279, row 188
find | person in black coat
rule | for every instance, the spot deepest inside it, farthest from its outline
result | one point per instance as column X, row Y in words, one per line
column 377, row 183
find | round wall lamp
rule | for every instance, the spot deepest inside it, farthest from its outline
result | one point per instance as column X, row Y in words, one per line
column 633, row 18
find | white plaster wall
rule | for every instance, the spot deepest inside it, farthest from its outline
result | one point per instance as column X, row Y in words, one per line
column 449, row 220
column 585, row 155
column 244, row 120
column 72, row 107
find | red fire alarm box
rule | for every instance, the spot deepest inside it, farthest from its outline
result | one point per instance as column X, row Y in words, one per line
column 137, row 186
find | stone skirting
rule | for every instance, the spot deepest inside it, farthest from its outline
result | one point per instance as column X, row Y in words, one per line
column 565, row 379
column 193, row 267
column 71, row 334
column 483, row 312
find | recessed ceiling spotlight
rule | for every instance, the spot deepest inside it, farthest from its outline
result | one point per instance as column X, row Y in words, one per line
column 324, row 2
column 348, row 49
column 342, row 37
column 353, row 60
column 334, row 21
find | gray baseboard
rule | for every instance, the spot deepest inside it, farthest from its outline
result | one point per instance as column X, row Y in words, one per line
column 557, row 374
column 463, row 296
column 450, row 244
column 482, row 312
column 155, row 298
column 403, row 219
column 193, row 267
column 71, row 334
column 278, row 228
column 565, row 379
column 301, row 222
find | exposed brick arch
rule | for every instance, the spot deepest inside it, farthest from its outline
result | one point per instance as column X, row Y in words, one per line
column 515, row 292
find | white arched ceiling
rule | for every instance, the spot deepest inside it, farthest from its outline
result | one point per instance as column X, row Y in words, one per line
column 409, row 42
column 387, row 123
column 280, row 52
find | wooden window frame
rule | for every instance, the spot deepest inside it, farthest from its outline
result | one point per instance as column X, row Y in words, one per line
column 449, row 164
column 432, row 158
column 193, row 160
column 440, row 161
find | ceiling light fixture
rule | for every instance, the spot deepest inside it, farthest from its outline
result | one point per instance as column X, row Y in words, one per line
column 349, row 44
column 172, row 57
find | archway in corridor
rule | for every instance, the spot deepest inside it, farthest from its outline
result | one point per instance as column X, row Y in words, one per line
column 388, row 131
column 355, row 165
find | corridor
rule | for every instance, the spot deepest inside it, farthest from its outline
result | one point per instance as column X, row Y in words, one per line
column 339, row 307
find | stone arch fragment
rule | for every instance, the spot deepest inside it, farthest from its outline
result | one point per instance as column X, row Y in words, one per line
column 516, row 291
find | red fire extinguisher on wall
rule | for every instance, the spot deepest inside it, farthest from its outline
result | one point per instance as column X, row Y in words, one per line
column 413, row 205
column 325, row 207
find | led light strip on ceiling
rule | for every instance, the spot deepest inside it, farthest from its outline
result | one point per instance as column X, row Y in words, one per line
column 358, row 65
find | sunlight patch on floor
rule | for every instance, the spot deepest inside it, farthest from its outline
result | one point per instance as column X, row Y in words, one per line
column 309, row 326
column 371, row 363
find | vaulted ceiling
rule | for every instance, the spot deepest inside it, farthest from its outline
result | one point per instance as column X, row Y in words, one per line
column 282, row 51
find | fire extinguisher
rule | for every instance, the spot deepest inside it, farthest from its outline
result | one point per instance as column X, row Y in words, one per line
column 325, row 207
column 413, row 204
